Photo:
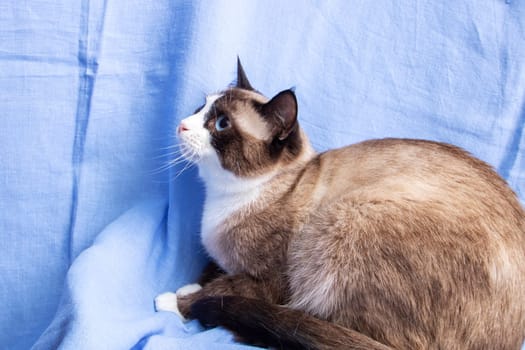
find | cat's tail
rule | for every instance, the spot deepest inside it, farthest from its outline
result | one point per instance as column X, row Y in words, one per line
column 259, row 323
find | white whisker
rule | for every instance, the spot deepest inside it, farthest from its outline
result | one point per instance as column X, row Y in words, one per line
column 170, row 164
column 176, row 154
column 177, row 145
column 168, row 155
column 187, row 166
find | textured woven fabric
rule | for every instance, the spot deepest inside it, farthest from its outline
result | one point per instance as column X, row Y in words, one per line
column 92, row 227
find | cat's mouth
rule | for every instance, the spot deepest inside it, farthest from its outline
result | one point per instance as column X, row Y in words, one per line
column 194, row 146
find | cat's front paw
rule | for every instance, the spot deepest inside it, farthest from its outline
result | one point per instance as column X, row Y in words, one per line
column 168, row 302
column 176, row 302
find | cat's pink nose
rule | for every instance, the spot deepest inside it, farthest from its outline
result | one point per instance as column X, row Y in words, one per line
column 182, row 127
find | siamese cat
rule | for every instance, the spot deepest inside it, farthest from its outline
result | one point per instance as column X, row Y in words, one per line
column 384, row 244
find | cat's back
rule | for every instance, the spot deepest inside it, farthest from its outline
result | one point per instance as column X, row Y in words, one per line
column 415, row 171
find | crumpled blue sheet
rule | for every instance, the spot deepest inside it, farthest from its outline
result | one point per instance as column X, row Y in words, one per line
column 93, row 226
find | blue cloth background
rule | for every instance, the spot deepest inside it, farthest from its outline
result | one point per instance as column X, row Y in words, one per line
column 91, row 226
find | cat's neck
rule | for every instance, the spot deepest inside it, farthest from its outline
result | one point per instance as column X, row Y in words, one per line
column 225, row 185
column 222, row 184
column 227, row 193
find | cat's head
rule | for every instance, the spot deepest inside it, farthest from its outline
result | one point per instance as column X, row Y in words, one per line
column 242, row 132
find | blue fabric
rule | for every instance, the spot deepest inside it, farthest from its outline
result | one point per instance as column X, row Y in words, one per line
column 92, row 227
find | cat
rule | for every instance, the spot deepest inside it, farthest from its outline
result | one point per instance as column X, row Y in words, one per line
column 384, row 244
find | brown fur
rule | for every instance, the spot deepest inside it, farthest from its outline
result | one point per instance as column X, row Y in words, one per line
column 414, row 244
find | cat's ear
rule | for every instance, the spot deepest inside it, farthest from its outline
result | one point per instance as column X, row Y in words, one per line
column 281, row 111
column 242, row 80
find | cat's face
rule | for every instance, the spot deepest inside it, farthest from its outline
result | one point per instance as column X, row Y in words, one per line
column 242, row 132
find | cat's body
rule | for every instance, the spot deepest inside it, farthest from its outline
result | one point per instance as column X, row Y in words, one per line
column 396, row 243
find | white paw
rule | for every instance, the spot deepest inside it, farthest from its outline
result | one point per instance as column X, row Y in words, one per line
column 188, row 289
column 168, row 302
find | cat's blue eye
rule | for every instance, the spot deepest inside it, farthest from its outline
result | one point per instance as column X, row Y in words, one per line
column 222, row 123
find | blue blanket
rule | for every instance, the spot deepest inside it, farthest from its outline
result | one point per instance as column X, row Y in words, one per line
column 93, row 225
